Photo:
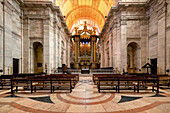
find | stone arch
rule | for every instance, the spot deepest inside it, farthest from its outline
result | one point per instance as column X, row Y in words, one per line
column 133, row 57
column 37, row 57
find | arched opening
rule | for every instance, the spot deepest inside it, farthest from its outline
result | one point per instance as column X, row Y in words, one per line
column 132, row 57
column 38, row 57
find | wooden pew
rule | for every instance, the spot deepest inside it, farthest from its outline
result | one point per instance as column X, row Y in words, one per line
column 52, row 82
column 5, row 80
column 128, row 81
column 164, row 80
column 74, row 77
column 96, row 76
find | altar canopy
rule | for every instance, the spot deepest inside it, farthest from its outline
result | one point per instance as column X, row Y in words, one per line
column 84, row 52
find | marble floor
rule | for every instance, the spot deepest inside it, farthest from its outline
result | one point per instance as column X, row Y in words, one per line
column 85, row 99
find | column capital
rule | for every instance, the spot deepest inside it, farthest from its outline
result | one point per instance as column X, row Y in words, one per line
column 46, row 22
column 123, row 22
column 76, row 38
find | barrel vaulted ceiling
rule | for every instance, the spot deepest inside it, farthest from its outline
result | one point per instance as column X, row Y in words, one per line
column 78, row 11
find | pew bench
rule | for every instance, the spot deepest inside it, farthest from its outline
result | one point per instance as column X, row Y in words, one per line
column 111, row 84
column 5, row 80
column 41, row 84
column 128, row 83
column 96, row 76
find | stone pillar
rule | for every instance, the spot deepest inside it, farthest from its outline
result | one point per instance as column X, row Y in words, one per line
column 111, row 49
column 93, row 41
column 26, row 29
column 118, row 41
column 46, row 49
column 94, row 60
column 144, row 46
column 69, row 50
column 115, row 46
column 58, row 47
column 168, row 37
column 102, row 52
column 77, row 44
column 123, row 46
column 55, row 45
column 162, row 38
column 76, row 49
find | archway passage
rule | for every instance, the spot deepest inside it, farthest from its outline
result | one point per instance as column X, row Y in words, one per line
column 38, row 57
column 132, row 57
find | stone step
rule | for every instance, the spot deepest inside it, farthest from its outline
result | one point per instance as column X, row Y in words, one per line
column 85, row 75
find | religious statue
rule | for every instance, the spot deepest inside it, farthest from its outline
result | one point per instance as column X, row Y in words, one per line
column 76, row 30
column 94, row 30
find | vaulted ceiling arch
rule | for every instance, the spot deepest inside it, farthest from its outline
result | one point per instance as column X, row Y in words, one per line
column 84, row 8
column 94, row 10
column 94, row 15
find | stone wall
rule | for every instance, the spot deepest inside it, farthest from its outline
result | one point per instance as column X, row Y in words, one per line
column 146, row 23
column 12, row 34
column 45, row 26
column 159, row 33
column 27, row 23
column 125, row 25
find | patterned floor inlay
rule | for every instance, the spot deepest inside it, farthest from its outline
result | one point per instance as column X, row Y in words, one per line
column 127, row 99
column 85, row 99
column 10, row 96
column 42, row 99
column 85, row 103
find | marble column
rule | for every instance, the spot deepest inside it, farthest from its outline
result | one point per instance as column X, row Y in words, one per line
column 115, row 46
column 26, row 35
column 144, row 47
column 93, row 41
column 76, row 49
column 77, row 41
column 55, row 45
column 162, row 38
column 118, row 41
column 168, row 37
column 68, row 52
column 94, row 60
column 58, row 47
column 46, row 49
column 102, row 53
column 123, row 46
column 111, row 49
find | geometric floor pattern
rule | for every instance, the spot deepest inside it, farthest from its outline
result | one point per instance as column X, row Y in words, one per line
column 85, row 99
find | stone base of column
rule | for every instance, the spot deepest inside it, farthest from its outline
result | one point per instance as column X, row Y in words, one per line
column 94, row 65
column 76, row 66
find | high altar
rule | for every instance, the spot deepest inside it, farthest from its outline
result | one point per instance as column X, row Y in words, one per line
column 85, row 48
